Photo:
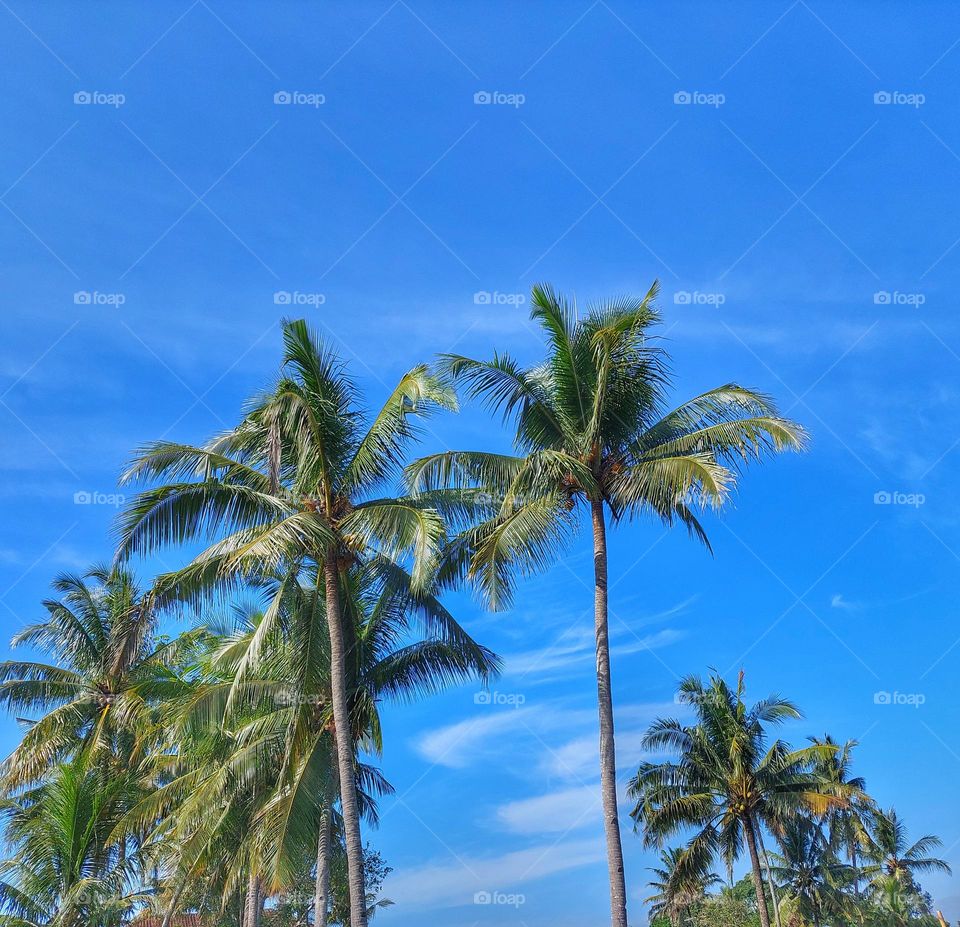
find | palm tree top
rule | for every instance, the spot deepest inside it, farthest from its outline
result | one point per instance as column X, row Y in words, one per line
column 592, row 425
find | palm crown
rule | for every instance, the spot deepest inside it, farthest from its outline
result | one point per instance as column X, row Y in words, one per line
column 592, row 424
column 95, row 696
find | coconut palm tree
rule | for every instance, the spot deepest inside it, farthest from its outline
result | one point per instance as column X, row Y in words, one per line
column 305, row 477
column 676, row 892
column 64, row 870
column 846, row 822
column 889, row 850
column 593, row 430
column 810, row 873
column 94, row 696
column 727, row 782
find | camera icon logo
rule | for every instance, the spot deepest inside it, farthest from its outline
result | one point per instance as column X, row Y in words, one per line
column 82, row 298
column 282, row 298
column 881, row 698
column 882, row 497
column 683, row 97
column 881, row 298
column 483, row 898
column 882, row 97
column 482, row 97
column 83, row 97
column 682, row 298
column 482, row 298
column 482, row 698
column 282, row 97
column 82, row 498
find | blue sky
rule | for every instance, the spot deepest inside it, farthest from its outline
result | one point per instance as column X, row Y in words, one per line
column 805, row 231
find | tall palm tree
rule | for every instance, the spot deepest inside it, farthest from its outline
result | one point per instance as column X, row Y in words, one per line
column 306, row 476
column 93, row 697
column 810, row 872
column 592, row 430
column 727, row 782
column 892, row 854
column 676, row 892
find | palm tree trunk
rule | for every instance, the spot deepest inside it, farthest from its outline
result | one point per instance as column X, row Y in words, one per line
column 345, row 760
column 755, row 868
column 172, row 906
column 250, row 903
column 856, row 871
column 773, row 890
column 321, row 898
column 608, row 760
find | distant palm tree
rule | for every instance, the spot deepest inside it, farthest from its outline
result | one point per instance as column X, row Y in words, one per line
column 809, row 871
column 95, row 696
column 846, row 821
column 677, row 892
column 592, row 428
column 727, row 782
column 63, row 869
column 895, row 904
column 306, row 476
column 889, row 849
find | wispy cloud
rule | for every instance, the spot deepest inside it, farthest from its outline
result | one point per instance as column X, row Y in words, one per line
column 453, row 882
column 575, row 646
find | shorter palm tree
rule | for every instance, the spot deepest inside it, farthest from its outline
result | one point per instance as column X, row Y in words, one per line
column 889, row 850
column 810, row 873
column 676, row 892
column 64, row 870
column 846, row 822
column 93, row 695
column 727, row 782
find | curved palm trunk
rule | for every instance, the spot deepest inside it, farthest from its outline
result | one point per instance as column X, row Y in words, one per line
column 345, row 759
column 321, row 898
column 751, row 836
column 608, row 761
column 770, row 883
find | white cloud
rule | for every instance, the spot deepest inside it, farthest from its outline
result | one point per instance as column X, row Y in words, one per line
column 457, row 745
column 576, row 645
column 452, row 883
column 838, row 601
column 554, row 812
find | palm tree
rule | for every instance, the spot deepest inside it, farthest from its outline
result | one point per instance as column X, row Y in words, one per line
column 727, row 782
column 93, row 697
column 810, row 872
column 591, row 429
column 889, row 849
column 64, row 870
column 846, row 822
column 301, row 479
column 677, row 891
